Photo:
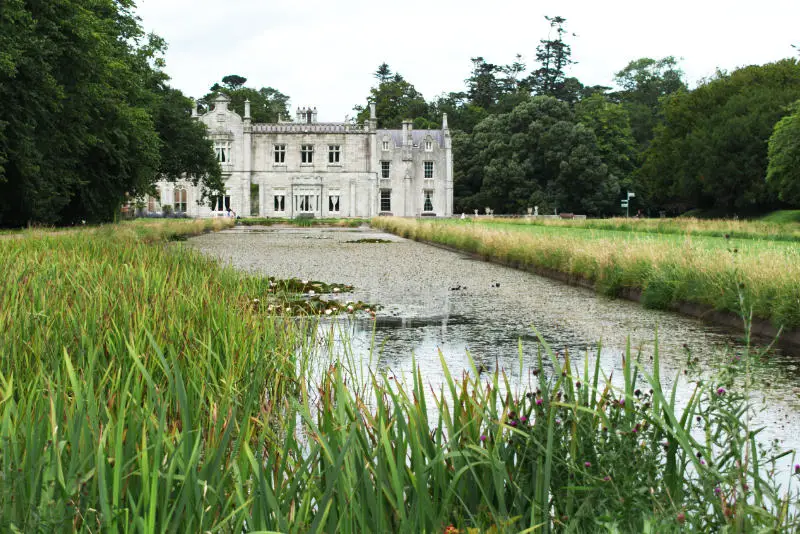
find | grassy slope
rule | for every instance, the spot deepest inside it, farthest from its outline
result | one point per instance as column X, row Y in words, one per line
column 668, row 268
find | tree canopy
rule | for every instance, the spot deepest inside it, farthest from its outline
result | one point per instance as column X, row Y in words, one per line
column 82, row 89
column 783, row 169
column 266, row 104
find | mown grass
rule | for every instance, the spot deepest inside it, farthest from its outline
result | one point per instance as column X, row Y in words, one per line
column 144, row 388
column 781, row 228
column 666, row 270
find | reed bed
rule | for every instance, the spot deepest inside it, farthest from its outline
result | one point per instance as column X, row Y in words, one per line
column 667, row 272
column 144, row 388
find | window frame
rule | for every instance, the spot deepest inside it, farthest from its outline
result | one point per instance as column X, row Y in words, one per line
column 306, row 154
column 426, row 166
column 386, row 169
column 334, row 154
column 180, row 200
column 279, row 153
column 427, row 198
column 386, row 196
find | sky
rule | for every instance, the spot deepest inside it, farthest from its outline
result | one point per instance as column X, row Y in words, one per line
column 323, row 53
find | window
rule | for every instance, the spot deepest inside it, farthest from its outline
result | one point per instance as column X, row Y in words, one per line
column 154, row 201
column 306, row 203
column 428, row 204
column 333, row 203
column 255, row 200
column 280, row 153
column 307, row 154
column 223, row 151
column 428, row 169
column 179, row 201
column 428, row 145
column 386, row 145
column 221, row 203
column 334, row 152
column 386, row 200
column 384, row 169
column 280, row 202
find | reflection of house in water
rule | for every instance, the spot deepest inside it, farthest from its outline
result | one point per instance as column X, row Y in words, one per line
column 323, row 169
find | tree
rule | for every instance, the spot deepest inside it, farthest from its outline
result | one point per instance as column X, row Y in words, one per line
column 611, row 126
column 80, row 85
column 644, row 83
column 554, row 56
column 266, row 104
column 711, row 151
column 783, row 169
column 384, row 73
column 395, row 101
column 233, row 82
column 539, row 155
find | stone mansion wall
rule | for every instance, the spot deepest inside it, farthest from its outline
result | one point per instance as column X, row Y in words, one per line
column 322, row 169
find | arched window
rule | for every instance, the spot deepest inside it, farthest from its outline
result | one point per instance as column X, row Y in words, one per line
column 179, row 200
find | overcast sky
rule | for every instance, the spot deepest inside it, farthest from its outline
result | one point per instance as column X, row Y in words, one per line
column 323, row 53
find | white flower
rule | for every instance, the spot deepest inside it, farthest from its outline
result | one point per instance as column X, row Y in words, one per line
column 327, row 312
column 255, row 300
column 335, row 289
column 350, row 308
column 311, row 292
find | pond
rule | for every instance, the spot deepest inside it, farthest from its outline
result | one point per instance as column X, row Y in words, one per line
column 434, row 300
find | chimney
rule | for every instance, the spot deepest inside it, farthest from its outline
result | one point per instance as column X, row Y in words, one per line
column 444, row 121
column 297, row 114
column 407, row 132
column 247, row 109
column 314, row 115
column 372, row 115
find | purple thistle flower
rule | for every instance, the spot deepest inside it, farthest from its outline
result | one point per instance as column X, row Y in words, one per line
column 587, row 464
column 606, row 478
column 539, row 402
column 483, row 437
column 797, row 469
column 702, row 462
column 523, row 419
column 513, row 423
column 717, row 491
column 578, row 384
column 720, row 391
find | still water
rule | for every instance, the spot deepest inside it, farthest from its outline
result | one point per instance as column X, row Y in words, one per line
column 432, row 300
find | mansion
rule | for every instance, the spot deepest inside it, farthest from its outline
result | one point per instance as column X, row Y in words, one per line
column 322, row 169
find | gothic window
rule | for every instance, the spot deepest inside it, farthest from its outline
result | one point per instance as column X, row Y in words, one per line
column 428, row 169
column 307, row 154
column 280, row 153
column 179, row 200
column 385, row 169
column 428, row 204
column 334, row 152
column 428, row 145
column 333, row 203
column 386, row 145
column 386, row 200
column 223, row 151
column 280, row 202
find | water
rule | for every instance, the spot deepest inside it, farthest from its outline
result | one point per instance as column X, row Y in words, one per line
column 433, row 301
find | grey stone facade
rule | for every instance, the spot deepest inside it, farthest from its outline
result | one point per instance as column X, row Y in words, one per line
column 325, row 169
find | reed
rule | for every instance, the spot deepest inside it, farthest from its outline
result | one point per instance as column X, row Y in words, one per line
column 144, row 388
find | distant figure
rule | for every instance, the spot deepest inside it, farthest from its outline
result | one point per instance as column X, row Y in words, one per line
column 463, row 216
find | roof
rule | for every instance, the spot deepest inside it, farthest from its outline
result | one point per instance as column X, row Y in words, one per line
column 417, row 136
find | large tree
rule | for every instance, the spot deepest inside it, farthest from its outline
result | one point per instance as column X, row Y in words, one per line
column 266, row 104
column 711, row 151
column 81, row 88
column 783, row 169
column 643, row 83
column 395, row 100
column 539, row 154
column 554, row 55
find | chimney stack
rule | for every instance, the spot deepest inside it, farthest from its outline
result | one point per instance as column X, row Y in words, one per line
column 407, row 125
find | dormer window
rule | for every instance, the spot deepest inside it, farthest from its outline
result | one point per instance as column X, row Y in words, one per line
column 386, row 145
column 428, row 145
